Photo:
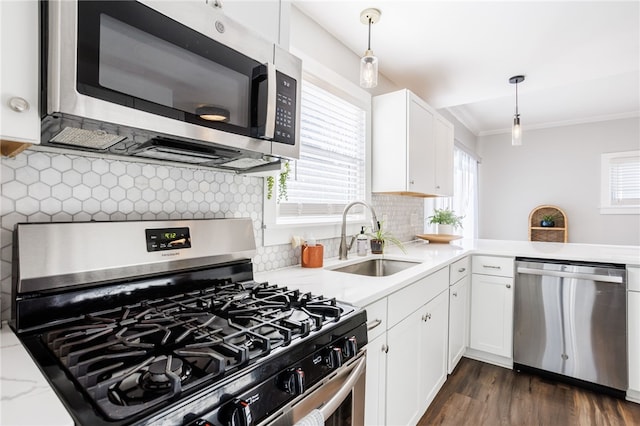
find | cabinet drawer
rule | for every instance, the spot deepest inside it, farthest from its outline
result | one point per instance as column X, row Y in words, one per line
column 633, row 279
column 458, row 270
column 406, row 301
column 493, row 265
column 376, row 318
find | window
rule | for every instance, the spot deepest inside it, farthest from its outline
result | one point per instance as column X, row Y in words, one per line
column 333, row 168
column 620, row 187
column 465, row 194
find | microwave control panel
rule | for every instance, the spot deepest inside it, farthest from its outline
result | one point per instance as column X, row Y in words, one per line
column 285, row 128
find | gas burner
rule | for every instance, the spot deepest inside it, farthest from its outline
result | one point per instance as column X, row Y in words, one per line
column 163, row 373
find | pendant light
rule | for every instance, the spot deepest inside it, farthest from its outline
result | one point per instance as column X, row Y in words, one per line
column 369, row 63
column 516, row 130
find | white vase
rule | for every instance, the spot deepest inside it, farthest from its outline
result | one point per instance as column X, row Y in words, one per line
column 445, row 229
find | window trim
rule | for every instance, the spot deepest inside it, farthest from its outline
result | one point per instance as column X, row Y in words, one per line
column 274, row 233
column 605, row 185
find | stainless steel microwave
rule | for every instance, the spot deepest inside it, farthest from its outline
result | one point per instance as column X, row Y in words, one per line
column 167, row 80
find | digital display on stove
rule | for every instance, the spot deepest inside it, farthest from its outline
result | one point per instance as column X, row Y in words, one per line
column 167, row 239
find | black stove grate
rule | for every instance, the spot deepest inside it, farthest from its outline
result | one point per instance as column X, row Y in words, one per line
column 130, row 358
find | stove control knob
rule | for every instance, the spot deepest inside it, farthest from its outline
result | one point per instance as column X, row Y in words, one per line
column 236, row 413
column 334, row 360
column 292, row 381
column 350, row 347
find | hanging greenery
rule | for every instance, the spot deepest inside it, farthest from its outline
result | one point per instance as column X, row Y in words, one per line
column 282, row 183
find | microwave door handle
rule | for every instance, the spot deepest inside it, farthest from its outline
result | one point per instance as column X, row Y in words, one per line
column 270, row 122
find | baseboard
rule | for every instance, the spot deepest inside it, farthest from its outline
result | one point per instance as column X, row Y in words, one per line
column 633, row 396
column 498, row 360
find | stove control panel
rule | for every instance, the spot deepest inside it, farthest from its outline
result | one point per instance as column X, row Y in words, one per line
column 167, row 239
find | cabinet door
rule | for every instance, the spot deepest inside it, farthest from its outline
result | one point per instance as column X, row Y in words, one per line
column 403, row 362
column 375, row 393
column 458, row 321
column 443, row 140
column 268, row 18
column 491, row 322
column 633, row 318
column 19, row 32
column 417, row 361
column 421, row 177
column 433, row 349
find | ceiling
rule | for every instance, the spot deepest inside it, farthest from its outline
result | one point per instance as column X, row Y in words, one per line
column 581, row 59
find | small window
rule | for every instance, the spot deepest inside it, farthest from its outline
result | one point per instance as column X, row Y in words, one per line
column 620, row 188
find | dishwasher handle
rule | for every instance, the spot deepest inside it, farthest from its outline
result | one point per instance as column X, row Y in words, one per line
column 575, row 275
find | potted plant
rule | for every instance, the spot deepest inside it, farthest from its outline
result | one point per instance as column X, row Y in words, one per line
column 379, row 239
column 446, row 220
column 548, row 220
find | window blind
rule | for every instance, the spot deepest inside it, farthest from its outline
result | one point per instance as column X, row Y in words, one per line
column 624, row 181
column 331, row 170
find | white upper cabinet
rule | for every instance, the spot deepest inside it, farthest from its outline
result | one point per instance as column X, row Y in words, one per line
column 19, row 32
column 412, row 149
column 269, row 18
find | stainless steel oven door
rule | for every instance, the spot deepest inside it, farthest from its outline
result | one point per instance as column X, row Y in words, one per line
column 336, row 401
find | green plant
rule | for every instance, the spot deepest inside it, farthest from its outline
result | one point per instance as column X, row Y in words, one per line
column 550, row 217
column 282, row 183
column 385, row 236
column 446, row 217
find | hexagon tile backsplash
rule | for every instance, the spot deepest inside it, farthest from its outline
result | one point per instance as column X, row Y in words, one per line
column 47, row 187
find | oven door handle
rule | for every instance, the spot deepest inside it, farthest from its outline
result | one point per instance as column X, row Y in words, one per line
column 332, row 405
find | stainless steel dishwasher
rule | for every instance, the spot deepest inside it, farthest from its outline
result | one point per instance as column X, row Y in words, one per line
column 570, row 320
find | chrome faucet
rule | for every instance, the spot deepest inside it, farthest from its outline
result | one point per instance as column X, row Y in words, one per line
column 344, row 248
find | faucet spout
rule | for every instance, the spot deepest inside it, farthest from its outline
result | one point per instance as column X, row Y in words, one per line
column 344, row 247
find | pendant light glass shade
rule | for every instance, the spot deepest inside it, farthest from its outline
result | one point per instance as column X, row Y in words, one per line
column 368, row 70
column 516, row 129
column 369, row 63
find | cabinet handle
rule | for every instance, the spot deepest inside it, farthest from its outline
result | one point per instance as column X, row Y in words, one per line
column 426, row 317
column 462, row 269
column 454, row 294
column 491, row 267
column 508, row 285
column 412, row 182
column 373, row 324
column 385, row 348
column 18, row 104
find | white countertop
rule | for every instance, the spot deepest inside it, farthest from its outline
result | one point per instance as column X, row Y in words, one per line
column 27, row 399
column 361, row 290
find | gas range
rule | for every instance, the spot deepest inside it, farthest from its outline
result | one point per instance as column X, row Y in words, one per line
column 193, row 339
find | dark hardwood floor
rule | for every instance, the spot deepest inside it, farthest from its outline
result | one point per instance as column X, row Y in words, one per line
column 483, row 394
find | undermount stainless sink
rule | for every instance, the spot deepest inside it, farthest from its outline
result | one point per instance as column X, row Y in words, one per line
column 377, row 267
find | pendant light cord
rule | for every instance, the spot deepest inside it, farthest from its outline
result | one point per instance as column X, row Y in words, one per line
column 517, row 99
column 369, row 40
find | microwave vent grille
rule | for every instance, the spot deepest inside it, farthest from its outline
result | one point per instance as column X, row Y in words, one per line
column 95, row 139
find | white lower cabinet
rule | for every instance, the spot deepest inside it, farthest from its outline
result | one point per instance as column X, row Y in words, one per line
column 491, row 324
column 633, row 330
column 376, row 381
column 417, row 361
column 376, row 376
column 407, row 351
column 458, row 321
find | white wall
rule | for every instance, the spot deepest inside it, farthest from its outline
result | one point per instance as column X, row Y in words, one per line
column 558, row 166
column 307, row 36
